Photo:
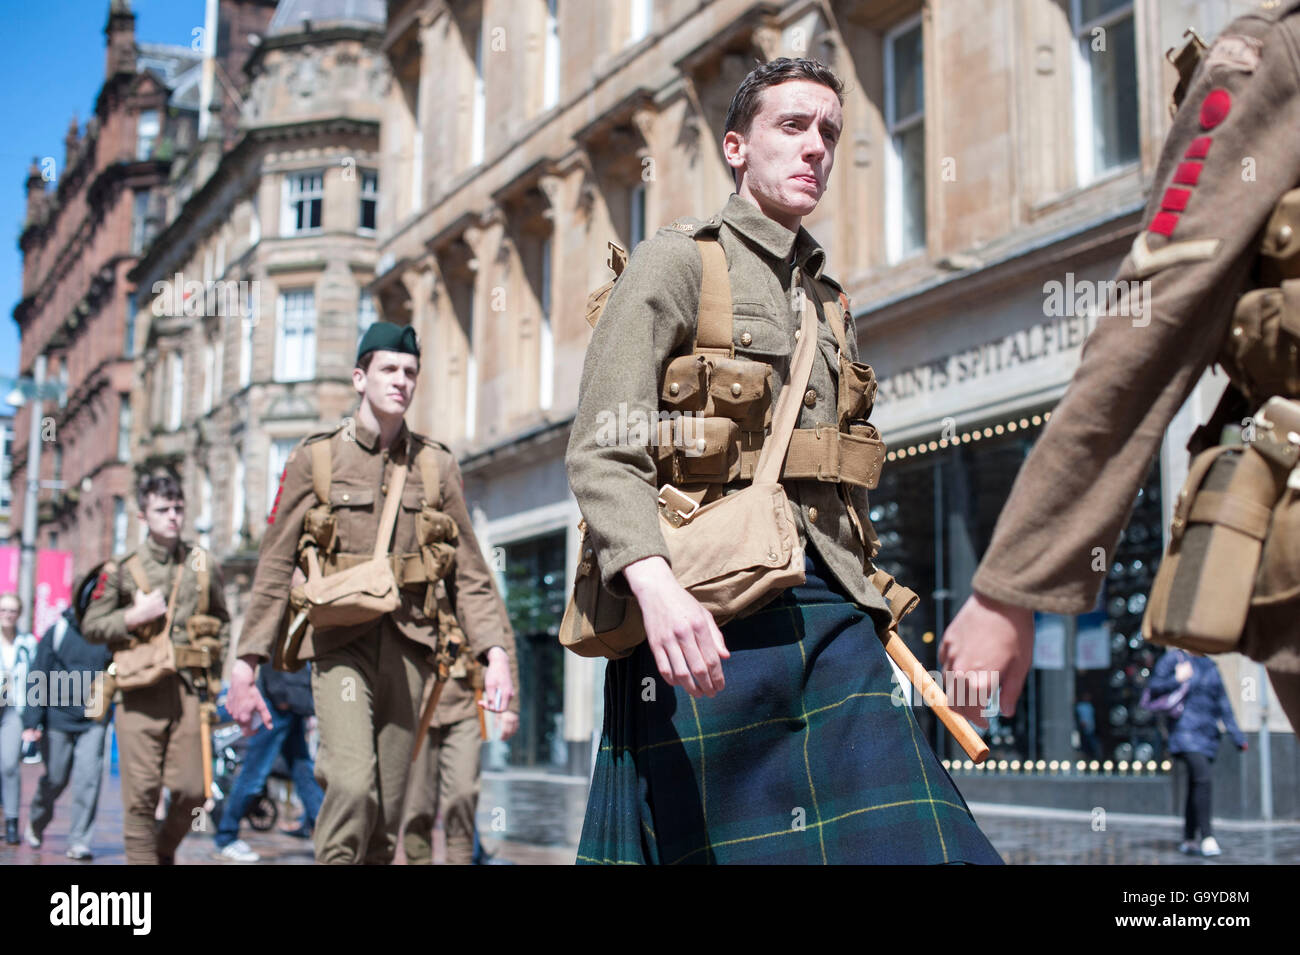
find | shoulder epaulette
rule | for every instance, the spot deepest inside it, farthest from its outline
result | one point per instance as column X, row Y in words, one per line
column 320, row 435
column 425, row 439
column 691, row 226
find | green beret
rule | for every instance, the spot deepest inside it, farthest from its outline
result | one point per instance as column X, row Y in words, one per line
column 385, row 336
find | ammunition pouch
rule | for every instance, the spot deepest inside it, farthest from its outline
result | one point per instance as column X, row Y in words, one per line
column 1262, row 354
column 1231, row 555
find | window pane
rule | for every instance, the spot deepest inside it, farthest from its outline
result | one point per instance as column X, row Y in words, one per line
column 1114, row 96
column 315, row 213
column 911, row 153
column 1090, row 10
column 907, row 81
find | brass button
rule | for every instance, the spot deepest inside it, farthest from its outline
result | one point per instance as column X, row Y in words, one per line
column 1284, row 234
column 797, row 333
column 701, row 444
column 347, row 497
column 735, row 389
column 812, row 514
column 674, row 388
column 746, row 339
column 1237, row 331
column 810, row 398
column 383, row 488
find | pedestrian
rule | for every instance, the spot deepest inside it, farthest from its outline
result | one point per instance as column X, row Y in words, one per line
column 445, row 776
column 71, row 742
column 1194, row 736
column 16, row 653
column 166, row 590
column 773, row 738
column 288, row 696
column 368, row 679
column 1201, row 245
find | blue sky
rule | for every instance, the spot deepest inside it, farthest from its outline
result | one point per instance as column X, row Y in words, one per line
column 52, row 68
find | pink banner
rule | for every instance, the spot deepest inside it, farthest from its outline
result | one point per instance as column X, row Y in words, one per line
column 53, row 583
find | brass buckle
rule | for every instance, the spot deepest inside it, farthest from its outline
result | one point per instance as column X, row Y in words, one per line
column 677, row 508
column 1277, row 433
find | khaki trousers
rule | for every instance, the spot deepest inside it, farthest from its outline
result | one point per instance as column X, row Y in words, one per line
column 446, row 776
column 158, row 745
column 367, row 696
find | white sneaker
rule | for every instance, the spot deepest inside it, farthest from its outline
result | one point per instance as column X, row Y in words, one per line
column 1210, row 847
column 238, row 851
column 32, row 838
column 79, row 853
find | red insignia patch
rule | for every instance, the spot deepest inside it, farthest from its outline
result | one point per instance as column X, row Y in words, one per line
column 1215, row 108
column 1187, row 173
column 99, row 586
column 1175, row 200
column 1163, row 224
column 1199, row 148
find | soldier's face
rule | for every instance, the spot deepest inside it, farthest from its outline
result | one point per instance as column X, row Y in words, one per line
column 388, row 385
column 786, row 157
column 164, row 517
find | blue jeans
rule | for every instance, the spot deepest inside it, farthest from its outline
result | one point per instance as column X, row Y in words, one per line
column 287, row 732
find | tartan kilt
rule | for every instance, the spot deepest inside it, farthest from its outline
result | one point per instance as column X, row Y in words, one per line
column 802, row 759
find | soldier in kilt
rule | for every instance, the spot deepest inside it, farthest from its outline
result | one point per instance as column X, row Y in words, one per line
column 776, row 738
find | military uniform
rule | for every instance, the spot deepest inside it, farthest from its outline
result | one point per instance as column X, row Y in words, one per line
column 158, row 726
column 680, row 779
column 445, row 776
column 1230, row 155
column 369, row 678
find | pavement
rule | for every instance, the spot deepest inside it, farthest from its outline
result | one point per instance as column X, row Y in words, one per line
column 1023, row 836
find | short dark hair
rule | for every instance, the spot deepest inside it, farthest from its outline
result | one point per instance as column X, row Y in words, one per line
column 162, row 483
column 363, row 361
column 744, row 105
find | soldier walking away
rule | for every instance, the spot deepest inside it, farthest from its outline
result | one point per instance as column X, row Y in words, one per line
column 162, row 611
column 369, row 679
column 774, row 738
column 1220, row 248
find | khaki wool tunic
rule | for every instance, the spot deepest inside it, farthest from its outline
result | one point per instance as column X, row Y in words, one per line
column 649, row 320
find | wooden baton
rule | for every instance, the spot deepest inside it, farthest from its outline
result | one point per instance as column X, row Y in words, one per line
column 933, row 696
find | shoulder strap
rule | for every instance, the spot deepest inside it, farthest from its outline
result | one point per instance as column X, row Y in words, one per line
column 833, row 309
column 391, row 501
column 200, row 557
column 136, row 570
column 320, row 469
column 428, row 465
column 713, row 319
column 772, row 457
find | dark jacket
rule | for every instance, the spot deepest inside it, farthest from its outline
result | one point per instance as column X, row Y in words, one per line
column 1197, row 730
column 287, row 690
column 58, row 679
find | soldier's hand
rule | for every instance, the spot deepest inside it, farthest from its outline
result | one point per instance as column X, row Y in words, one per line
column 498, row 688
column 244, row 699
column 146, row 607
column 31, row 736
column 683, row 636
column 988, row 647
column 509, row 723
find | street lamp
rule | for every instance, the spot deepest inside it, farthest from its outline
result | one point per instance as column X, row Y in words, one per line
column 37, row 389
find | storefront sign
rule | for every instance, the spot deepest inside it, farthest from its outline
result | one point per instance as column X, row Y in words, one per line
column 1025, row 347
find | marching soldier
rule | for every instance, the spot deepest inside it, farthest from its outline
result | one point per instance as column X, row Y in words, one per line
column 162, row 610
column 716, row 739
column 369, row 679
column 1222, row 221
column 445, row 775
